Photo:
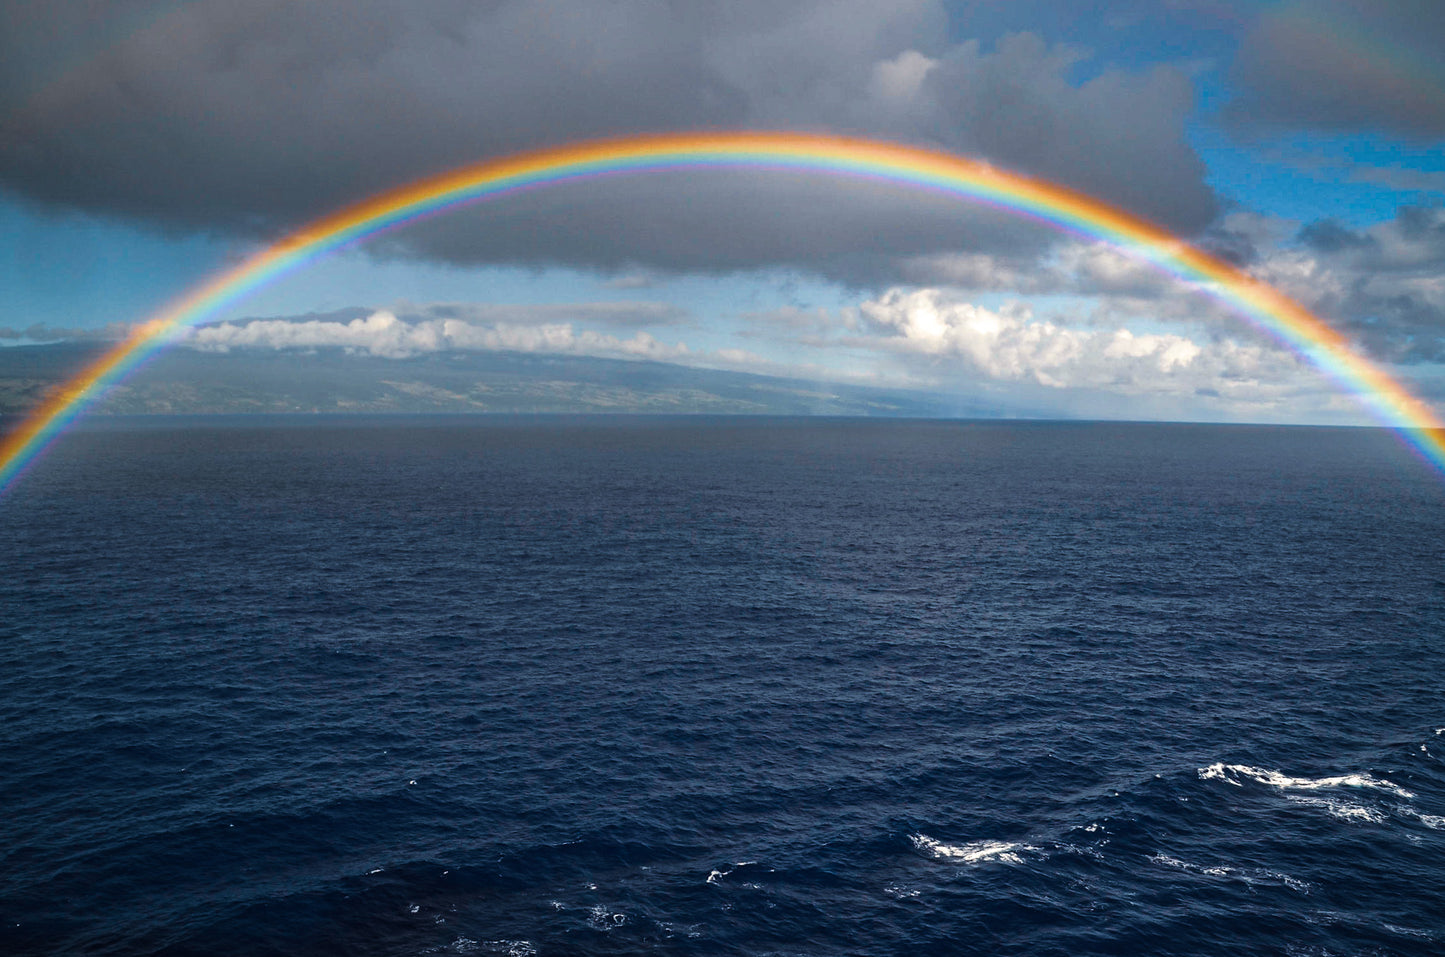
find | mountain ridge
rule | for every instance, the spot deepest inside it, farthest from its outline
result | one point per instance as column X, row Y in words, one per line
column 331, row 380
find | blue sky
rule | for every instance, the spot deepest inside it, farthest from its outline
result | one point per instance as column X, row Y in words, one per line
column 153, row 145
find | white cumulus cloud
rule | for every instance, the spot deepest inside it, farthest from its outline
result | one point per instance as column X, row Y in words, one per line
column 1011, row 345
column 383, row 334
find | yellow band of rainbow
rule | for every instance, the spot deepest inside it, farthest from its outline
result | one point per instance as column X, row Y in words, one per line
column 904, row 166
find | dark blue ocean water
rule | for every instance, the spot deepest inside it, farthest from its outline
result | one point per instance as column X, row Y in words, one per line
column 710, row 686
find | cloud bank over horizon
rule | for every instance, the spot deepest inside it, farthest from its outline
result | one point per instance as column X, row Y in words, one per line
column 927, row 339
column 382, row 334
column 1300, row 142
column 1010, row 344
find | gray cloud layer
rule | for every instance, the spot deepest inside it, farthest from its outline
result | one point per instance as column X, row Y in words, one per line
column 1385, row 284
column 1345, row 65
column 254, row 116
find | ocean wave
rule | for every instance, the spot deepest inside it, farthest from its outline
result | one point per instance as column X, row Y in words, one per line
column 1246, row 875
column 1344, row 810
column 1433, row 821
column 717, row 874
column 1408, row 931
column 600, row 918
column 507, row 948
column 672, row 929
column 1233, row 773
column 976, row 852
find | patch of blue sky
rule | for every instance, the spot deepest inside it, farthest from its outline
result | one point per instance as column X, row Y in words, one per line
column 71, row 271
column 1358, row 179
column 1134, row 37
column 356, row 279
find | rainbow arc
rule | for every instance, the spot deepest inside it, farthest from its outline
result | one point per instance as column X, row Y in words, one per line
column 905, row 166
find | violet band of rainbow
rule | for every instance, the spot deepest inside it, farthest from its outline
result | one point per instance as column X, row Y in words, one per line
column 904, row 166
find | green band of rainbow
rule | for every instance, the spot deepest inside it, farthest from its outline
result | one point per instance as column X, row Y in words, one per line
column 901, row 165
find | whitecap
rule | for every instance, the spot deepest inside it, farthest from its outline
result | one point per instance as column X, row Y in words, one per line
column 1169, row 861
column 602, row 919
column 1209, row 870
column 1344, row 810
column 718, row 874
column 1293, row 883
column 977, row 852
column 508, row 948
column 1435, row 821
column 1249, row 875
column 1232, row 773
column 1408, row 931
column 671, row 929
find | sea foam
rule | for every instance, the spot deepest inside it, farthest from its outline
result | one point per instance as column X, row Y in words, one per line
column 1234, row 773
column 1246, row 875
column 977, row 852
column 1344, row 810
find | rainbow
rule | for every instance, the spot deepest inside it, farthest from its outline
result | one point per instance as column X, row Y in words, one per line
column 905, row 166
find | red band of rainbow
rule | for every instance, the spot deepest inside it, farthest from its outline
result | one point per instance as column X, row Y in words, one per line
column 904, row 166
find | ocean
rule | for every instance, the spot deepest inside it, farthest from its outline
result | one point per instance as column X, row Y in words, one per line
column 703, row 686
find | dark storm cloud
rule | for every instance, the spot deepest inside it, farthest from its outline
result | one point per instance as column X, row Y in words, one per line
column 256, row 116
column 1386, row 284
column 1413, row 242
column 1118, row 135
column 1329, row 237
column 724, row 221
column 1345, row 65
